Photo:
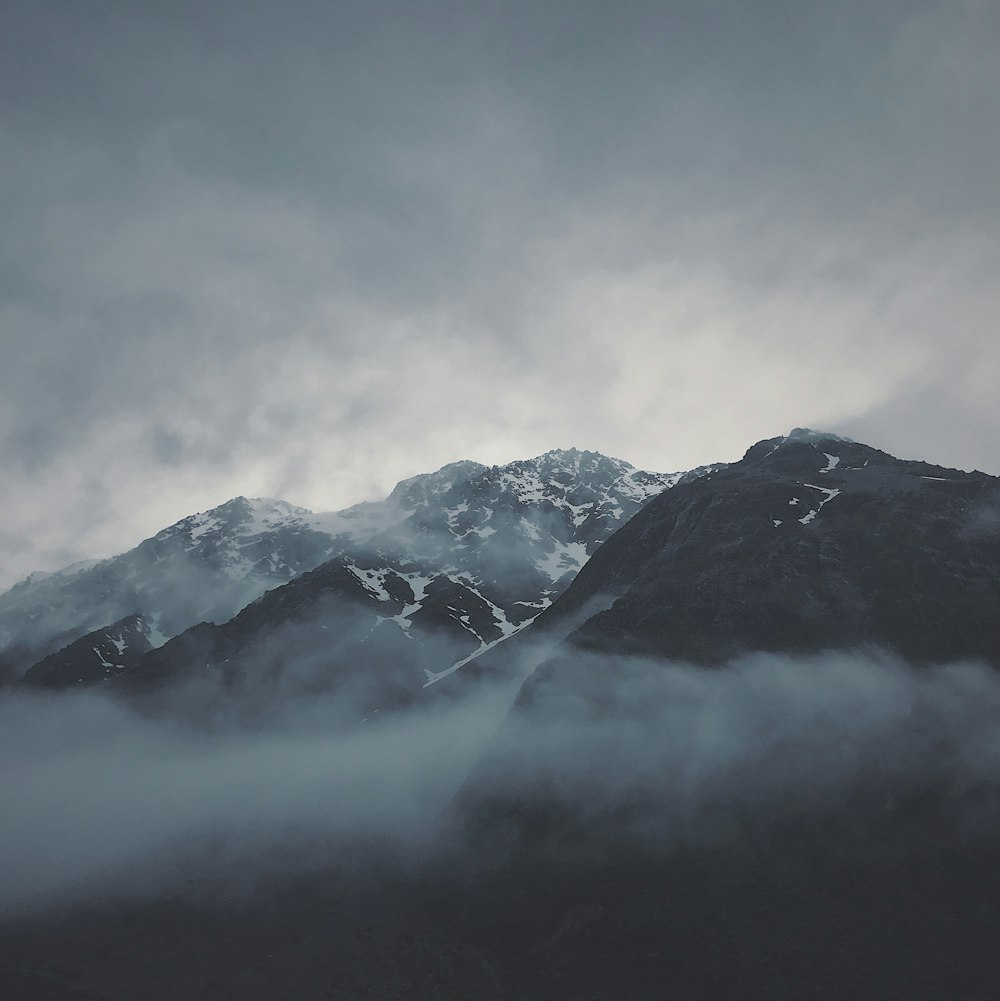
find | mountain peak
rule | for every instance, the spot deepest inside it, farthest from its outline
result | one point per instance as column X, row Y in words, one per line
column 808, row 434
column 801, row 442
column 258, row 506
column 575, row 459
column 245, row 516
column 812, row 542
column 422, row 488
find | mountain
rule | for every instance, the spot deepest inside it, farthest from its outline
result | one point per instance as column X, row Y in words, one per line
column 206, row 566
column 479, row 553
column 810, row 546
column 93, row 658
column 467, row 553
column 757, row 757
column 753, row 761
column 811, row 542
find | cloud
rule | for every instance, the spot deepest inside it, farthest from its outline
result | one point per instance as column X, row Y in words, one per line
column 634, row 752
column 102, row 802
column 108, row 803
column 310, row 252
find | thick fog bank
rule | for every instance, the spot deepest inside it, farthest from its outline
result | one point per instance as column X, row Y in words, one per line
column 677, row 754
column 100, row 802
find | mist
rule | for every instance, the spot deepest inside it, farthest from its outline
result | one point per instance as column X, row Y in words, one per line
column 101, row 802
column 681, row 755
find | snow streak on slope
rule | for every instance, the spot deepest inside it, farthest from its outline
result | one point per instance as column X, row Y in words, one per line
column 829, row 493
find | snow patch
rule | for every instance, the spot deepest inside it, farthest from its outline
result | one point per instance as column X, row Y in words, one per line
column 830, row 494
column 202, row 524
column 435, row 676
column 566, row 557
column 453, row 515
column 373, row 582
column 154, row 633
column 418, row 584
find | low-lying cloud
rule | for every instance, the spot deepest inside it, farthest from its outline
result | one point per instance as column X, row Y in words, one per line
column 100, row 801
column 689, row 754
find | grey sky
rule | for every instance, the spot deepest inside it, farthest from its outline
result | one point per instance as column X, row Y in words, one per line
column 306, row 249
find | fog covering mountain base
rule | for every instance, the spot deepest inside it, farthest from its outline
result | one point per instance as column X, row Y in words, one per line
column 681, row 798
column 812, row 822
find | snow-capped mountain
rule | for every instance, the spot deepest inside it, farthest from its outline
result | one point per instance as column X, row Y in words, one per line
column 206, row 566
column 842, row 604
column 468, row 551
column 804, row 824
column 810, row 542
column 465, row 558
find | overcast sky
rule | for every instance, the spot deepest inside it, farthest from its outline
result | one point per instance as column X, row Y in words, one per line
column 306, row 249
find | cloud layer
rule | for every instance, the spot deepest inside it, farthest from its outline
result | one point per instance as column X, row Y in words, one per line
column 101, row 802
column 306, row 252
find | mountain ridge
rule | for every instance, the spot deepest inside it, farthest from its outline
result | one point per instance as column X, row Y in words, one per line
column 751, row 750
column 802, row 545
column 209, row 565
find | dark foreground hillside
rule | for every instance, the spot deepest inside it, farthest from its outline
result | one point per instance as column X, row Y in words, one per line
column 769, row 921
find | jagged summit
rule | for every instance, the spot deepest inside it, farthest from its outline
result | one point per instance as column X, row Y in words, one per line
column 246, row 515
column 500, row 540
column 424, row 488
column 808, row 434
column 575, row 459
column 804, row 446
column 454, row 561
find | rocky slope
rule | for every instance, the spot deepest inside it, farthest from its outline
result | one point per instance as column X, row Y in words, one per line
column 461, row 557
column 206, row 566
column 480, row 552
column 99, row 656
column 811, row 542
column 806, row 811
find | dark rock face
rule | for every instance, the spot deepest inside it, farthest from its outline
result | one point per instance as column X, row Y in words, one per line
column 630, row 870
column 97, row 657
column 808, row 543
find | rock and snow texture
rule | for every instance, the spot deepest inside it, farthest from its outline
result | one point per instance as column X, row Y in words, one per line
column 204, row 567
column 828, row 494
column 460, row 560
column 93, row 658
column 809, row 543
column 502, row 541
